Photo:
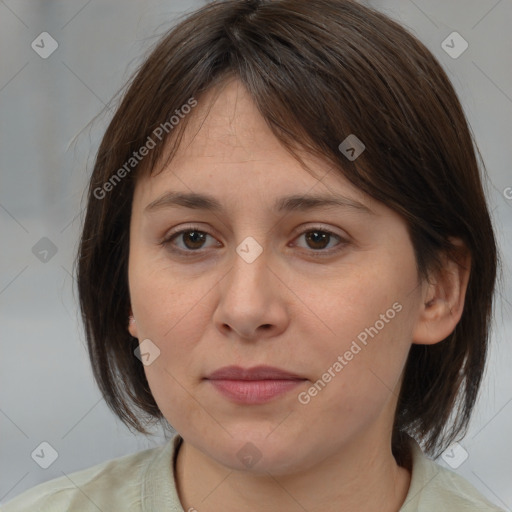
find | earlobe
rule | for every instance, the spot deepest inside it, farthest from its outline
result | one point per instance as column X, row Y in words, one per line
column 132, row 325
column 444, row 298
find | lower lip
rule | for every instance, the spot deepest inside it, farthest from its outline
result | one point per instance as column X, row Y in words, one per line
column 254, row 391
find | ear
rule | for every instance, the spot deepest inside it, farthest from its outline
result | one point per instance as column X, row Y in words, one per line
column 443, row 299
column 132, row 325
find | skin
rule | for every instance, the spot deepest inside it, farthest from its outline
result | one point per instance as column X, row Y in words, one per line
column 286, row 309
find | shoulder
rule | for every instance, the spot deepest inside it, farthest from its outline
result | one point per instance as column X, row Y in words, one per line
column 434, row 487
column 111, row 485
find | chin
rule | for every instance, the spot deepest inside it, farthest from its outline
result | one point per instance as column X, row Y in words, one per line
column 257, row 452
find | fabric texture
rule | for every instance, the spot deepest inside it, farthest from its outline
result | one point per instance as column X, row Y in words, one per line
column 144, row 482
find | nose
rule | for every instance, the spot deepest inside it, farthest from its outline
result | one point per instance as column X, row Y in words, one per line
column 252, row 300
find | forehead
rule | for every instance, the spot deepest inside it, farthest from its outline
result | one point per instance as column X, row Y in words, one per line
column 227, row 126
column 228, row 149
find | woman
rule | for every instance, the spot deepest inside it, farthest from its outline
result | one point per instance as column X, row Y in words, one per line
column 288, row 257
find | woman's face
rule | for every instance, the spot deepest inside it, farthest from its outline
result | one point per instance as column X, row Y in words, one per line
column 250, row 284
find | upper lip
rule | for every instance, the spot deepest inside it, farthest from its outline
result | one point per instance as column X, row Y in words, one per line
column 255, row 373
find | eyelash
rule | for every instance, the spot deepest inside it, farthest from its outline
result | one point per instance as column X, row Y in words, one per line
column 319, row 253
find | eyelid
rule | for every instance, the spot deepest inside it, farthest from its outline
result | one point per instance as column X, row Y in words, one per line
column 318, row 226
column 168, row 237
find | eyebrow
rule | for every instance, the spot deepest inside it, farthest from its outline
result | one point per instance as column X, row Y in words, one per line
column 288, row 203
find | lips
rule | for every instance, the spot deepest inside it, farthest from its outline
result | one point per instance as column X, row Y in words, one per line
column 255, row 373
column 253, row 386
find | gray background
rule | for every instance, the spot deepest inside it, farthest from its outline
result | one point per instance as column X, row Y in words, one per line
column 47, row 148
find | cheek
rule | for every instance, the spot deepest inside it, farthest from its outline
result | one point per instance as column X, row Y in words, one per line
column 369, row 321
column 357, row 372
column 164, row 299
column 171, row 313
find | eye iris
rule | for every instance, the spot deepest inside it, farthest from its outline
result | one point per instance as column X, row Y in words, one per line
column 318, row 237
column 196, row 237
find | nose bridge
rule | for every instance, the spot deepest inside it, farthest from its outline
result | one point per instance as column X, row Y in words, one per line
column 249, row 302
column 247, row 298
column 250, row 265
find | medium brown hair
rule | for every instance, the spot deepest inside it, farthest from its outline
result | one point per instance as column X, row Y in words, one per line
column 318, row 71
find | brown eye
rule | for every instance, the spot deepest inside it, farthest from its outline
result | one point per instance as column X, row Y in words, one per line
column 193, row 239
column 321, row 242
column 318, row 239
column 187, row 240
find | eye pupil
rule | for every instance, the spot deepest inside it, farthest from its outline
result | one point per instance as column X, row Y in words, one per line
column 196, row 237
column 318, row 237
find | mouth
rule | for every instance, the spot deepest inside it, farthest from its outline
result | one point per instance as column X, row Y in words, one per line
column 253, row 385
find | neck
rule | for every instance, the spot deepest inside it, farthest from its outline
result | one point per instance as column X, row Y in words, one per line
column 361, row 477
